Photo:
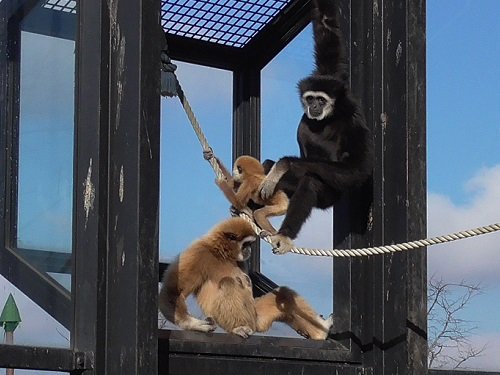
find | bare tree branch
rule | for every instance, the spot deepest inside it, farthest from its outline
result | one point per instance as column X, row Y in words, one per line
column 448, row 333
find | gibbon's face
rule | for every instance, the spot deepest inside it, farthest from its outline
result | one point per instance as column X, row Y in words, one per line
column 317, row 105
column 237, row 173
column 239, row 236
column 241, row 245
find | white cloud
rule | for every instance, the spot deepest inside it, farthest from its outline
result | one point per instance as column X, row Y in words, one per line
column 475, row 259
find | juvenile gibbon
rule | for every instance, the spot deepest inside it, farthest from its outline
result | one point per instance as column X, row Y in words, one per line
column 248, row 174
column 209, row 270
column 335, row 143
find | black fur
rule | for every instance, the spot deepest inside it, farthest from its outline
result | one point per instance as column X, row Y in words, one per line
column 336, row 152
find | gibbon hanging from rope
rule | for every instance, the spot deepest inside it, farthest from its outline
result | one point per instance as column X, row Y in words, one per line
column 334, row 141
column 243, row 187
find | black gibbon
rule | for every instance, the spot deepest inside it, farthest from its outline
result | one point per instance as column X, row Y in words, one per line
column 248, row 174
column 335, row 143
column 209, row 269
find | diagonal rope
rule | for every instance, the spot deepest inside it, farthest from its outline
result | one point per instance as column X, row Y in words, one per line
column 386, row 249
column 199, row 133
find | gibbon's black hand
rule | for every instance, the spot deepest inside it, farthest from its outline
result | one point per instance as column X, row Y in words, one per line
column 234, row 211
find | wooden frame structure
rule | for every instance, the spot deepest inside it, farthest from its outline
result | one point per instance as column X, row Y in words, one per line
column 380, row 301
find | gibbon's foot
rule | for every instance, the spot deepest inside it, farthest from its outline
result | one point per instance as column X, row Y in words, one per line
column 318, row 334
column 281, row 244
column 267, row 187
column 264, row 233
column 243, row 331
column 328, row 323
column 304, row 334
column 193, row 324
column 235, row 212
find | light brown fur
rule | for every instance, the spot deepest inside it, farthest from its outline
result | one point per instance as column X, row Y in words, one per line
column 249, row 173
column 209, row 270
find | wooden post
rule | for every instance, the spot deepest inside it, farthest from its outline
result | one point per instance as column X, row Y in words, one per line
column 117, row 185
column 388, row 319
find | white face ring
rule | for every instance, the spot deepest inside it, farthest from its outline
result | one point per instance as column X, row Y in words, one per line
column 327, row 109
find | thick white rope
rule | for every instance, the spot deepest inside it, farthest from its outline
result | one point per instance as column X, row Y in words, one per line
column 199, row 133
column 331, row 252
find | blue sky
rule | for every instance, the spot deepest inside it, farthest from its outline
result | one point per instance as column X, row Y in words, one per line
column 463, row 125
column 463, row 42
column 463, row 122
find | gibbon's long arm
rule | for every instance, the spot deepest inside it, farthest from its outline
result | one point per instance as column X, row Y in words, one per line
column 245, row 192
column 225, row 172
column 328, row 42
column 337, row 175
column 225, row 187
column 240, row 199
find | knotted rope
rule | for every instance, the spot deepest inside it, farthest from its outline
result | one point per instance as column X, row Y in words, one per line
column 170, row 86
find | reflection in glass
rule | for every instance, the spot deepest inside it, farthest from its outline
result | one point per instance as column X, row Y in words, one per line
column 43, row 232
column 46, row 125
column 190, row 202
column 310, row 276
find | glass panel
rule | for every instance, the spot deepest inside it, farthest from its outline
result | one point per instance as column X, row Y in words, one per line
column 463, row 127
column 46, row 131
column 190, row 201
column 279, row 129
column 36, row 327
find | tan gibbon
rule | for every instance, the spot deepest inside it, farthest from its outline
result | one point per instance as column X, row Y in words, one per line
column 209, row 269
column 248, row 174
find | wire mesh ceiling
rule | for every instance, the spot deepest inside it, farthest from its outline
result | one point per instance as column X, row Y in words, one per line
column 68, row 6
column 228, row 22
